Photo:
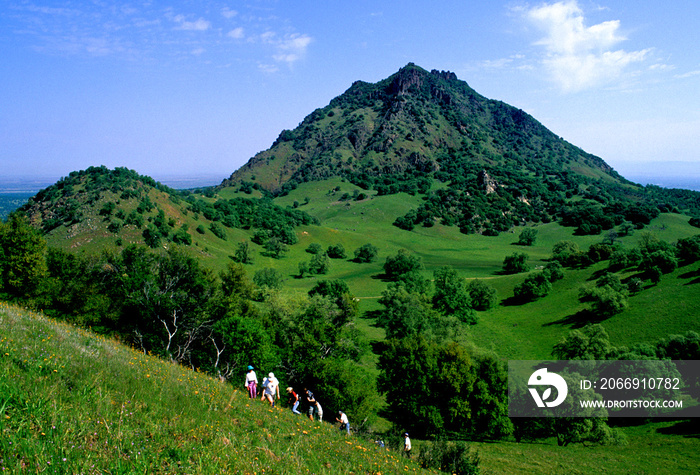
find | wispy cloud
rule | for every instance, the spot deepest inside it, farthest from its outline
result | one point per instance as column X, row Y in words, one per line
column 228, row 13
column 236, row 33
column 689, row 74
column 288, row 49
column 146, row 30
column 292, row 48
column 197, row 25
column 578, row 56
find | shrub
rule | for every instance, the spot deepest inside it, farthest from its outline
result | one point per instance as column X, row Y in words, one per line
column 482, row 294
column 516, row 263
column 527, row 237
column 535, row 286
column 314, row 248
column 336, row 252
column 366, row 253
column 450, row 457
column 218, row 231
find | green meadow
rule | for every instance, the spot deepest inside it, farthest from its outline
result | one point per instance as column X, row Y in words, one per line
column 73, row 402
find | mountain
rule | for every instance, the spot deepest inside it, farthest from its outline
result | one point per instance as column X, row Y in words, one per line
column 418, row 123
column 482, row 165
column 96, row 208
column 476, row 163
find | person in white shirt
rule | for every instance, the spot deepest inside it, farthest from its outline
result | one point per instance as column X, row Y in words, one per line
column 407, row 445
column 251, row 382
column 272, row 389
column 344, row 423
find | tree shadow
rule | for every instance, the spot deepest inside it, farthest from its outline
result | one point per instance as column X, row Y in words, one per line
column 687, row 428
column 578, row 320
column 693, row 274
column 383, row 277
column 372, row 315
column 511, row 301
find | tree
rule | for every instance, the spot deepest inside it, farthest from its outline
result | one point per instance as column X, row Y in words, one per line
column 451, row 296
column 534, row 286
column 22, row 263
column 566, row 252
column 482, row 294
column 589, row 343
column 436, row 389
column 553, row 271
column 607, row 301
column 314, row 248
column 405, row 268
column 274, row 247
column 243, row 253
column 527, row 237
column 241, row 341
column 319, row 264
column 338, row 292
column 408, row 313
column 688, row 249
column 167, row 300
column 608, row 297
column 269, row 278
column 336, row 252
column 516, row 263
column 366, row 253
column 402, row 263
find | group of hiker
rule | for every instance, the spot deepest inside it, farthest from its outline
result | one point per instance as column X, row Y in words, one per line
column 271, row 393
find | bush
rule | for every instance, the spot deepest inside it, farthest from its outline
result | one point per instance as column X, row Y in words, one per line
column 553, row 271
column 482, row 294
column 336, row 252
column 314, row 248
column 516, row 263
column 527, row 237
column 535, row 286
column 218, row 231
column 366, row 253
column 268, row 278
column 451, row 457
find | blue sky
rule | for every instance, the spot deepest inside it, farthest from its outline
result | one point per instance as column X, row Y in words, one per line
column 198, row 87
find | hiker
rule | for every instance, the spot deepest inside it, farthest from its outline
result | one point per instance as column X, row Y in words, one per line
column 407, row 445
column 293, row 400
column 313, row 403
column 272, row 389
column 251, row 382
column 344, row 423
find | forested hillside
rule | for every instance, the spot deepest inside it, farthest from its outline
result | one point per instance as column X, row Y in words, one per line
column 393, row 253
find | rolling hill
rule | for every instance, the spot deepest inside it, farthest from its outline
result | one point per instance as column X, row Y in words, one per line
column 417, row 162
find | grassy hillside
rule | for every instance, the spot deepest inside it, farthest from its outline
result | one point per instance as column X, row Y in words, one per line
column 72, row 402
column 513, row 331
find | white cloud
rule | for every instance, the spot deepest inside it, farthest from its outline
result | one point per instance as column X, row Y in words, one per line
column 288, row 49
column 689, row 74
column 578, row 56
column 198, row 25
column 228, row 13
column 236, row 33
column 292, row 48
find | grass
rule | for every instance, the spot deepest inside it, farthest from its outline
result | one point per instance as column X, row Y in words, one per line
column 73, row 402
column 655, row 448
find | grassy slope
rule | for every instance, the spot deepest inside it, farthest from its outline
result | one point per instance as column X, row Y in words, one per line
column 514, row 332
column 71, row 402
